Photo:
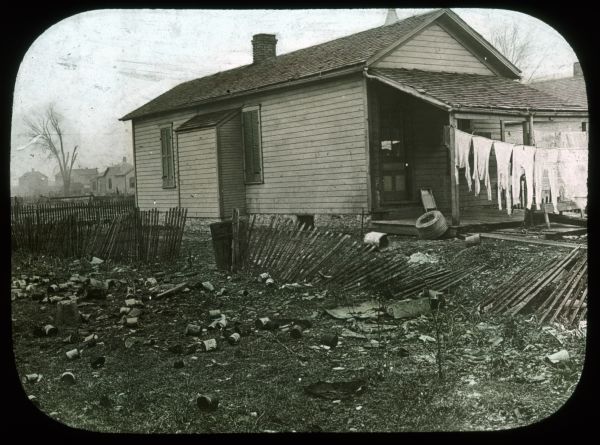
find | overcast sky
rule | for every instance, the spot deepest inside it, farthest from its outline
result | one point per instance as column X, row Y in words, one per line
column 97, row 66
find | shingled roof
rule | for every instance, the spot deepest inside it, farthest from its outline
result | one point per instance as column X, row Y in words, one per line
column 571, row 89
column 457, row 90
column 329, row 56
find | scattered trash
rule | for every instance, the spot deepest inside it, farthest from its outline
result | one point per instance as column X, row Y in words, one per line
column 347, row 333
column 222, row 292
column 243, row 293
column 131, row 322
column 135, row 312
column 208, row 345
column 336, row 390
column 263, row 277
column 32, row 378
column 291, row 286
column 131, row 302
column 207, row 403
column 422, row 258
column 97, row 362
column 124, row 310
column 378, row 239
column 426, row 338
column 233, row 338
column 219, row 324
column 208, row 286
column 90, row 340
column 50, row 330
column 73, row 354
column 270, row 282
column 267, row 324
column 67, row 314
column 296, row 331
column 34, row 400
column 193, row 329
column 215, row 313
column 472, row 240
column 559, row 356
column 368, row 309
column 151, row 282
column 68, row 378
column 95, row 261
column 410, row 308
column 330, row 340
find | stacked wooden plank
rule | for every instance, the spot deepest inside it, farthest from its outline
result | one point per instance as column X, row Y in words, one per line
column 292, row 252
column 555, row 290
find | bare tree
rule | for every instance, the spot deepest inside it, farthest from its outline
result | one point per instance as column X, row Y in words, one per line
column 515, row 42
column 48, row 134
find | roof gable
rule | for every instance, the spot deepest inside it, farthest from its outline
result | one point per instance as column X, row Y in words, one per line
column 433, row 49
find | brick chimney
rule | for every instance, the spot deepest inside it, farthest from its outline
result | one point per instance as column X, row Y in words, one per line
column 263, row 47
column 577, row 69
column 391, row 17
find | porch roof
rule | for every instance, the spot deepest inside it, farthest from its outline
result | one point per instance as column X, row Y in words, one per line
column 458, row 91
column 206, row 120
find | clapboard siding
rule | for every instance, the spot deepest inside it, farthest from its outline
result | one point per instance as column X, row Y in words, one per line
column 231, row 166
column 314, row 160
column 309, row 135
column 433, row 49
column 198, row 179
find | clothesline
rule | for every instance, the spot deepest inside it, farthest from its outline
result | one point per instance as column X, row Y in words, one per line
column 564, row 168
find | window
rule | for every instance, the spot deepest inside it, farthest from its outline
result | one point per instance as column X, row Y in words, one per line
column 110, row 183
column 166, row 148
column 252, row 145
column 584, row 126
column 132, row 182
column 464, row 125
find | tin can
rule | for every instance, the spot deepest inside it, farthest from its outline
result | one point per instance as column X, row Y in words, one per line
column 50, row 330
column 219, row 324
column 330, row 340
column 131, row 322
column 193, row 329
column 233, row 338
column 207, row 403
column 296, row 331
column 208, row 345
column 267, row 324
column 215, row 313
column 68, row 377
column 72, row 354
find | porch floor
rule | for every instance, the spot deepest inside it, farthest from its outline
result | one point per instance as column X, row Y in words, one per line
column 470, row 220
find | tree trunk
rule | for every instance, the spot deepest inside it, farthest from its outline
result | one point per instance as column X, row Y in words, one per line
column 66, row 186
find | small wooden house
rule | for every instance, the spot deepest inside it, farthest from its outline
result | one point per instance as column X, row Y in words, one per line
column 347, row 127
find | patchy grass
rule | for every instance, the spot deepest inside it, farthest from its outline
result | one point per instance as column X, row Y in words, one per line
column 494, row 373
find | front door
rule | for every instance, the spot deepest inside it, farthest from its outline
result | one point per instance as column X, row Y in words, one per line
column 394, row 160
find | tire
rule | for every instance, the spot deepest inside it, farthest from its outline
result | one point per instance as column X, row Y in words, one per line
column 431, row 225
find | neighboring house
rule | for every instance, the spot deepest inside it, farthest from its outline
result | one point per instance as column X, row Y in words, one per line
column 570, row 89
column 348, row 126
column 33, row 183
column 80, row 181
column 116, row 180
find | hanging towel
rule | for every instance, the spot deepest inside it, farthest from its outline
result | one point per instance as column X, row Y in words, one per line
column 546, row 163
column 523, row 161
column 462, row 145
column 503, row 152
column 481, row 164
column 573, row 173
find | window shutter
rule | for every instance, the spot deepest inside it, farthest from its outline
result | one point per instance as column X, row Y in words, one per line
column 163, row 151
column 166, row 146
column 252, row 159
column 255, row 147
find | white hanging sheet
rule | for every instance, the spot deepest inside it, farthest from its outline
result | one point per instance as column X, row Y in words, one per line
column 482, row 148
column 523, row 162
column 462, row 145
column 503, row 152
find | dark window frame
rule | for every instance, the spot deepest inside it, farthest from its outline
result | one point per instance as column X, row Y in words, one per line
column 167, row 156
column 253, row 161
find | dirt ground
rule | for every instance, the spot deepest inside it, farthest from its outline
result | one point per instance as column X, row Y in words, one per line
column 494, row 372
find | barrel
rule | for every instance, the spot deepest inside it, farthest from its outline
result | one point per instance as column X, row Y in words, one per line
column 221, row 238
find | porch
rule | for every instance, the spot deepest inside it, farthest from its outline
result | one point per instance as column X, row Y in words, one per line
column 472, row 220
column 411, row 137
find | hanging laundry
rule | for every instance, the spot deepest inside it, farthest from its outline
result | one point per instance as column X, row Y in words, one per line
column 572, row 175
column 523, row 161
column 546, row 164
column 574, row 139
column 481, row 164
column 503, row 152
column 462, row 146
column 561, row 139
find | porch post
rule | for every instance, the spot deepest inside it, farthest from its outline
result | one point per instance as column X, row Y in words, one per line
column 454, row 196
